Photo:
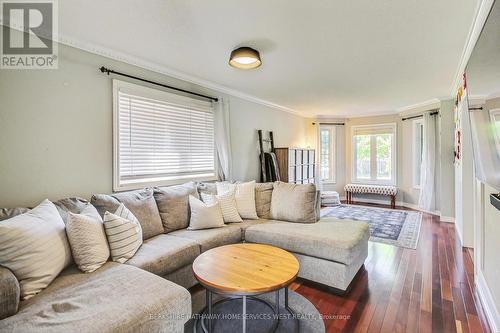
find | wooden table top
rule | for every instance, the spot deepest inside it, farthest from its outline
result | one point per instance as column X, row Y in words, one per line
column 245, row 269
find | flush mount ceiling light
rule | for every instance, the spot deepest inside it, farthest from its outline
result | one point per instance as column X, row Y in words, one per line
column 245, row 58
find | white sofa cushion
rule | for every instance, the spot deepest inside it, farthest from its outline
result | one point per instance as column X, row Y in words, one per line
column 34, row 247
column 245, row 197
column 204, row 216
column 227, row 203
column 87, row 238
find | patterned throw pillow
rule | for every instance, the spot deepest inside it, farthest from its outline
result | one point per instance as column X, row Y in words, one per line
column 227, row 203
column 204, row 216
column 245, row 197
column 124, row 234
column 87, row 238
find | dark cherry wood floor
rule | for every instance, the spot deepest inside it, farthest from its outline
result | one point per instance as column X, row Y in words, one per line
column 430, row 289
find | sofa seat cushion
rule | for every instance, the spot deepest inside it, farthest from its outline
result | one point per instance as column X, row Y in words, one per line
column 114, row 298
column 332, row 239
column 248, row 223
column 164, row 254
column 210, row 238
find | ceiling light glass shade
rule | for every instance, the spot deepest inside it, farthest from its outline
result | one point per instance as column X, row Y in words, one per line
column 245, row 58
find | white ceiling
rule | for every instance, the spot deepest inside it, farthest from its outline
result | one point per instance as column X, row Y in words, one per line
column 335, row 58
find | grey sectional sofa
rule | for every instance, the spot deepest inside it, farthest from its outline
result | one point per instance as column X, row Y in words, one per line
column 149, row 292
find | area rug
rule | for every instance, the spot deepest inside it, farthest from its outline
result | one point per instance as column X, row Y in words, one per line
column 390, row 226
column 259, row 316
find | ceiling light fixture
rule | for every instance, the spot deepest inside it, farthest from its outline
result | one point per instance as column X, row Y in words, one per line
column 245, row 58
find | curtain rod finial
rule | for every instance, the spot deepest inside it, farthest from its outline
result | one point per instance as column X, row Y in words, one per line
column 104, row 69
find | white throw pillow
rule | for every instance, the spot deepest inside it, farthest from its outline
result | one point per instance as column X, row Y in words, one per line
column 34, row 247
column 245, row 197
column 204, row 216
column 87, row 238
column 227, row 203
column 124, row 234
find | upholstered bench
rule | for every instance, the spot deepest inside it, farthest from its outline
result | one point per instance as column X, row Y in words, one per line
column 372, row 189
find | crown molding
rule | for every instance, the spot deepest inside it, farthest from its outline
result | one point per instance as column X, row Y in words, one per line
column 482, row 12
column 431, row 103
column 154, row 67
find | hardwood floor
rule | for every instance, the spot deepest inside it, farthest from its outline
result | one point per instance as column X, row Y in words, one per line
column 430, row 289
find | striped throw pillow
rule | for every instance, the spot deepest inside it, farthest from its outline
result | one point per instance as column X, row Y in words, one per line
column 245, row 197
column 227, row 203
column 124, row 234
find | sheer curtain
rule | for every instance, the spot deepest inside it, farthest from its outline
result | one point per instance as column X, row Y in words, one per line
column 223, row 139
column 428, row 168
column 485, row 130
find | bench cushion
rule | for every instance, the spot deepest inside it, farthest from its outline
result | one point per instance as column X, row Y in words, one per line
column 114, row 298
column 210, row 238
column 332, row 239
column 163, row 254
column 373, row 189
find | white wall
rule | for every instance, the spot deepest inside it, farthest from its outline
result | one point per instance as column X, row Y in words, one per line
column 56, row 129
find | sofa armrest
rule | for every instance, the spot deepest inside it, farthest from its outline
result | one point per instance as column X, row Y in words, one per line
column 10, row 293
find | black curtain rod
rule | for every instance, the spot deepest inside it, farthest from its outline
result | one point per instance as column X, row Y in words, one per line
column 334, row 124
column 420, row 115
column 110, row 71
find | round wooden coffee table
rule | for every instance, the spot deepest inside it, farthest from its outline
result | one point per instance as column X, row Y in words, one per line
column 242, row 271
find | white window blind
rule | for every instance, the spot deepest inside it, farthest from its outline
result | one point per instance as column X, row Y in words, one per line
column 161, row 138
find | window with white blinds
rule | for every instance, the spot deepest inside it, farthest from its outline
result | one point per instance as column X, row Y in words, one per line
column 160, row 138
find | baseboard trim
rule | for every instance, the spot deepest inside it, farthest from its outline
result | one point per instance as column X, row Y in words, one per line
column 400, row 203
column 448, row 219
column 492, row 314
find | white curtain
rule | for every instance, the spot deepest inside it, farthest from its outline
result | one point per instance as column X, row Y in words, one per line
column 485, row 129
column 223, row 139
column 428, row 167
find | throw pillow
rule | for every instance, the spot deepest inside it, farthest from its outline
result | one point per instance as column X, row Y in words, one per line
column 87, row 239
column 204, row 216
column 263, row 194
column 245, row 197
column 124, row 234
column 227, row 203
column 294, row 202
column 74, row 205
column 142, row 205
column 173, row 204
column 34, row 247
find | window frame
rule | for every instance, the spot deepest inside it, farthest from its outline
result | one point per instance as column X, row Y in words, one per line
column 371, row 181
column 417, row 123
column 159, row 95
column 332, row 150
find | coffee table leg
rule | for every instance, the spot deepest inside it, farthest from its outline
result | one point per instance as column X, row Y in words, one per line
column 277, row 301
column 209, row 307
column 286, row 298
column 244, row 314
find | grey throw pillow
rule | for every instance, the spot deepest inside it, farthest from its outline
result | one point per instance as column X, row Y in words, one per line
column 70, row 205
column 141, row 203
column 294, row 202
column 7, row 213
column 173, row 204
column 263, row 195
